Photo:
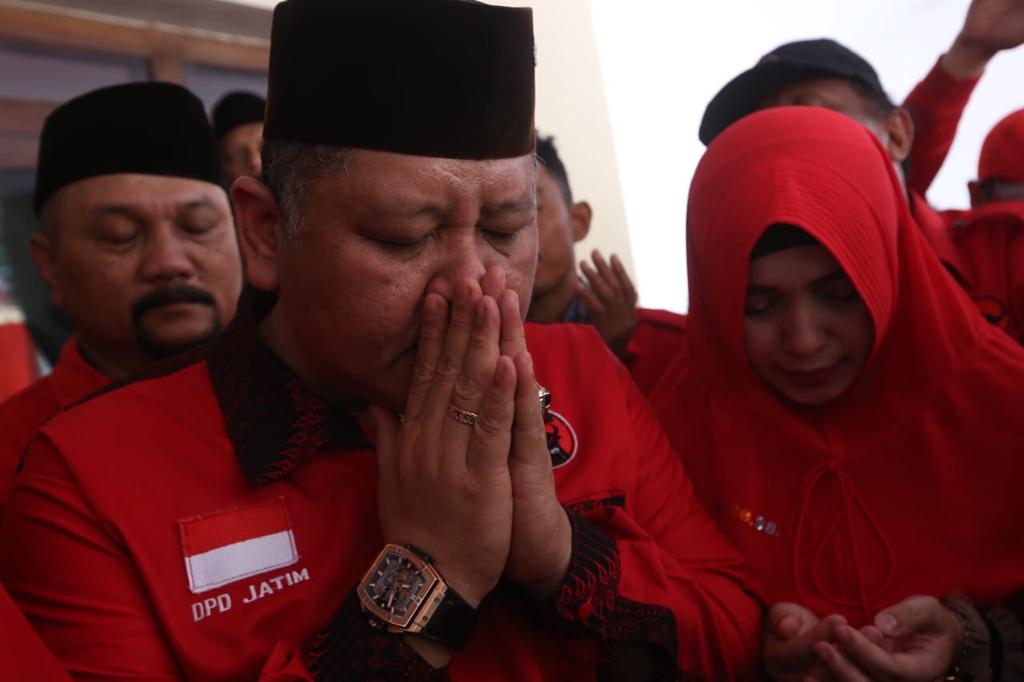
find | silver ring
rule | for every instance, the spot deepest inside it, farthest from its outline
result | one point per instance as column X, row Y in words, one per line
column 463, row 416
column 544, row 397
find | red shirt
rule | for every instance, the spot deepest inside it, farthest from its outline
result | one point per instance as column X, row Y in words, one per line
column 990, row 240
column 909, row 482
column 936, row 105
column 22, row 655
column 658, row 337
column 21, row 415
column 131, row 486
column 981, row 247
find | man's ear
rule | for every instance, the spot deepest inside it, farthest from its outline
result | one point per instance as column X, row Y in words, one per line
column 580, row 213
column 43, row 249
column 899, row 128
column 258, row 222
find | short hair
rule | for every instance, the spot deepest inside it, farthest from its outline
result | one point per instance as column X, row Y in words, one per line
column 547, row 153
column 289, row 169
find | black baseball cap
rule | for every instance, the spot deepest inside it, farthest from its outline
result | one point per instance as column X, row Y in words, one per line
column 787, row 64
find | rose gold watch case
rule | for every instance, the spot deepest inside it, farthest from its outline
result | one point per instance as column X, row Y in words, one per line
column 429, row 596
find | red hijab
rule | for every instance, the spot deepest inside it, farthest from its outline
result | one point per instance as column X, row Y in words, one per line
column 910, row 482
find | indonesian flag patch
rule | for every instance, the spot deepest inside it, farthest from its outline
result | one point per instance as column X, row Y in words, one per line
column 226, row 546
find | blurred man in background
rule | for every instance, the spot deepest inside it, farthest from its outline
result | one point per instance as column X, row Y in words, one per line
column 990, row 236
column 238, row 127
column 137, row 244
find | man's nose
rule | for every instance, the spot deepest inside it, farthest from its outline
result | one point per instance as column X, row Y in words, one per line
column 166, row 256
column 464, row 260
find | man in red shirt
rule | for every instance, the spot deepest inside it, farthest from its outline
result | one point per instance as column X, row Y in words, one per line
column 137, row 244
column 990, row 236
column 363, row 480
column 644, row 339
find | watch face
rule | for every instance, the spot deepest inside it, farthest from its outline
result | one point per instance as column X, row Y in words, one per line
column 396, row 586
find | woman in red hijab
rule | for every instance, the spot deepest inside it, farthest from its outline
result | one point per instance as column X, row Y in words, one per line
column 845, row 412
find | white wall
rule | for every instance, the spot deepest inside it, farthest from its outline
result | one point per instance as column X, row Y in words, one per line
column 571, row 106
column 663, row 60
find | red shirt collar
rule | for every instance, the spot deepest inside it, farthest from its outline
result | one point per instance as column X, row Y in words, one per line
column 73, row 378
column 274, row 420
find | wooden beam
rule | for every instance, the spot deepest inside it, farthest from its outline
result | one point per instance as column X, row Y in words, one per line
column 18, row 152
column 166, row 67
column 43, row 27
column 23, row 116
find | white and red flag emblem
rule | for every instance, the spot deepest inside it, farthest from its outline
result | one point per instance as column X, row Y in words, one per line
column 226, row 546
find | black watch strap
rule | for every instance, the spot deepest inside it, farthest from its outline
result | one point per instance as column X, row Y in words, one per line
column 452, row 623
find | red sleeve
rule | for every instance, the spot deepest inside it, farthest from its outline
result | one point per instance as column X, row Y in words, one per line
column 349, row 649
column 74, row 581
column 663, row 574
column 935, row 104
column 22, row 654
column 658, row 337
column 82, row 592
column 20, row 417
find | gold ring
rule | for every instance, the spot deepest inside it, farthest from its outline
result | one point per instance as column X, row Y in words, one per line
column 463, row 416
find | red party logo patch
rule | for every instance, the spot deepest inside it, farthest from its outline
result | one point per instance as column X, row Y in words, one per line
column 562, row 442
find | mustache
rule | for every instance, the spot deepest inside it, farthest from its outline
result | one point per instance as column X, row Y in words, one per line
column 168, row 295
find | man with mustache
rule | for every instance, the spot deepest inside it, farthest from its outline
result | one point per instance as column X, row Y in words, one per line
column 137, row 244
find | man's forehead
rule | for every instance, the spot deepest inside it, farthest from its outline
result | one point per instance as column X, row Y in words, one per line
column 409, row 181
column 815, row 91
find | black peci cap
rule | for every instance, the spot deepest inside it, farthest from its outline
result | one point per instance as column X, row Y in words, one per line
column 442, row 78
column 787, row 64
column 236, row 109
column 150, row 128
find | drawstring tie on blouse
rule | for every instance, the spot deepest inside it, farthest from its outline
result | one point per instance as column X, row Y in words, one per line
column 804, row 541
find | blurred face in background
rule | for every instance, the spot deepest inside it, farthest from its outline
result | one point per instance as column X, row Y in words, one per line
column 891, row 125
column 145, row 266
column 560, row 224
column 240, row 151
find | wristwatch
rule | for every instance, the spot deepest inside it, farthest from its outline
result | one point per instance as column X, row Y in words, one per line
column 403, row 593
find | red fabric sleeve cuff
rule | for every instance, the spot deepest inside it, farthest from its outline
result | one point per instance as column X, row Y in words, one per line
column 348, row 648
column 589, row 602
